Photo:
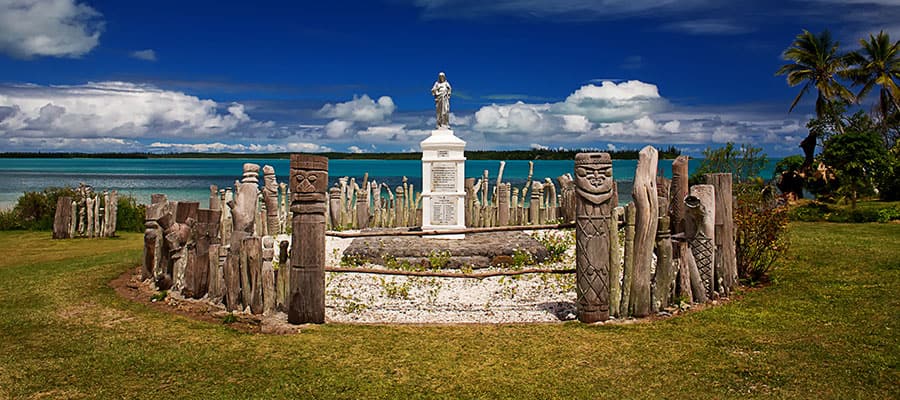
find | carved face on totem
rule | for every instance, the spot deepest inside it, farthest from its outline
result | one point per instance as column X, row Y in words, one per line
column 593, row 176
column 309, row 177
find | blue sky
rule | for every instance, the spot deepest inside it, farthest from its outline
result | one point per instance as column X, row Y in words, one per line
column 168, row 76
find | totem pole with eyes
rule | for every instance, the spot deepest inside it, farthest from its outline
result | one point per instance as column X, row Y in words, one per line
column 309, row 182
column 594, row 188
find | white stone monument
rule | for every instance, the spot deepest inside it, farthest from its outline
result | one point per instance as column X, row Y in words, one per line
column 443, row 170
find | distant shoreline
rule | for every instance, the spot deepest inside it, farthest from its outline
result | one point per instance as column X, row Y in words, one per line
column 665, row 154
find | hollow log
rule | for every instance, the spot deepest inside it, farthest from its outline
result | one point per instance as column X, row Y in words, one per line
column 699, row 229
column 593, row 185
column 628, row 264
column 725, row 259
column 646, row 210
column 309, row 180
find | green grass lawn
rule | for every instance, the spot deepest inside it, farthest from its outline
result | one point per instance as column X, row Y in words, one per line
column 826, row 328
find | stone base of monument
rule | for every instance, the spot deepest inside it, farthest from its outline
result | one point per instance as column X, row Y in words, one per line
column 443, row 176
column 476, row 250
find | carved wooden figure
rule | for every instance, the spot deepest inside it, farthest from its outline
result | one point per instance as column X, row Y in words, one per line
column 593, row 185
column 646, row 210
column 309, row 180
column 267, row 281
column 270, row 197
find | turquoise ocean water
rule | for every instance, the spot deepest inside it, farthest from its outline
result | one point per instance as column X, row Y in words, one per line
column 189, row 179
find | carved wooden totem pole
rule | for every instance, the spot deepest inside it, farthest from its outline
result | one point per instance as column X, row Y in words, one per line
column 593, row 185
column 309, row 181
column 270, row 197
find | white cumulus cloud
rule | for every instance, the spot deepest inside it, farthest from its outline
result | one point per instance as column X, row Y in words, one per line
column 56, row 28
column 360, row 109
column 112, row 109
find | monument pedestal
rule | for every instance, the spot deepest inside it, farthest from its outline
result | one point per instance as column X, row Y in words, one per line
column 443, row 176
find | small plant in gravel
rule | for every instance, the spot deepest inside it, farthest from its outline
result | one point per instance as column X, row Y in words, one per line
column 159, row 296
column 556, row 243
column 466, row 268
column 521, row 259
column 439, row 259
column 351, row 260
column 229, row 319
column 395, row 290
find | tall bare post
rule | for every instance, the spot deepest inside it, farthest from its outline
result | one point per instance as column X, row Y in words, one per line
column 534, row 206
column 362, row 209
column 63, row 218
column 89, row 203
column 725, row 260
column 251, row 251
column 664, row 279
column 699, row 229
column 628, row 263
column 593, row 184
column 678, row 191
column 113, row 210
column 646, row 210
column 615, row 261
column 503, row 204
column 309, row 180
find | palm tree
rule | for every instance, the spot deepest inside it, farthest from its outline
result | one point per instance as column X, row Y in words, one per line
column 878, row 63
column 815, row 63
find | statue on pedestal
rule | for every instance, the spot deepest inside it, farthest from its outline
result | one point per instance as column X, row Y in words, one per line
column 441, row 91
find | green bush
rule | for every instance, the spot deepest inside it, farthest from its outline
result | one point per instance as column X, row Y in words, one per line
column 817, row 211
column 760, row 221
column 36, row 210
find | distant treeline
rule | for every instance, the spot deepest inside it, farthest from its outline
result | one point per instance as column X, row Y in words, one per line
column 533, row 154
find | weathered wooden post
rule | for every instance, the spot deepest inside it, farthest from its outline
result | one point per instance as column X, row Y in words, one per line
column 725, row 260
column 362, row 209
column 550, row 189
column 113, row 209
column 268, row 275
column 96, row 216
column 646, row 210
column 251, row 251
column 664, row 278
column 503, row 204
column 615, row 260
column 73, row 223
column 63, row 218
column 270, row 197
column 152, row 237
column 699, row 229
column 534, row 205
column 309, row 180
column 89, row 204
column 679, row 190
column 628, row 263
column 593, row 184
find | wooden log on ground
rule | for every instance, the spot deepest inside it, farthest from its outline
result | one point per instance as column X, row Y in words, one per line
column 62, row 220
column 267, row 280
column 593, row 184
column 309, row 180
column 448, row 231
column 646, row 210
column 679, row 190
column 441, row 274
column 664, row 278
column 615, row 262
column 699, row 229
column 628, row 264
column 725, row 259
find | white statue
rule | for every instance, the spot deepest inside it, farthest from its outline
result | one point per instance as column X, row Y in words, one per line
column 441, row 91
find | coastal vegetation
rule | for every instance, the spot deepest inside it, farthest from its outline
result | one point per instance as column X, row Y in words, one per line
column 859, row 154
column 825, row 324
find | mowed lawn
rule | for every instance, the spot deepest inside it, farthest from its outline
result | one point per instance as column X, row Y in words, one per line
column 828, row 327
